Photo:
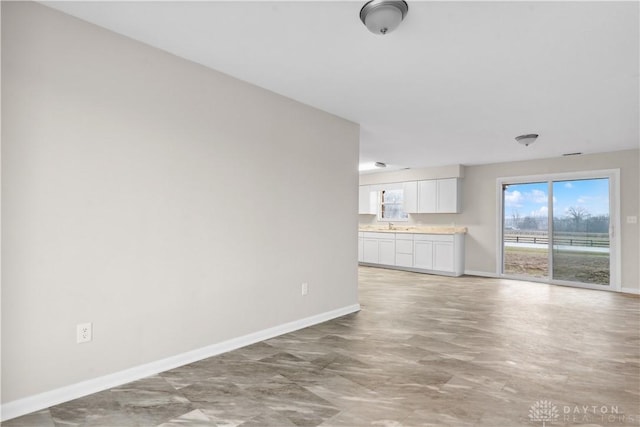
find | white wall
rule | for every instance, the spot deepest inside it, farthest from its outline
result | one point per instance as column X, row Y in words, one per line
column 171, row 205
column 479, row 206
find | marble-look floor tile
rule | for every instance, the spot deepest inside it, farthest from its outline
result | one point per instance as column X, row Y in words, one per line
column 40, row 418
column 195, row 418
column 424, row 351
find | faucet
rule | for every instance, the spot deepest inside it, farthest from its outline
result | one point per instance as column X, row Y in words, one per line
column 390, row 226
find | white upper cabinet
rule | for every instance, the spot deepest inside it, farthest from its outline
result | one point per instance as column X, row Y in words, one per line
column 434, row 196
column 448, row 196
column 410, row 196
column 427, row 196
column 367, row 200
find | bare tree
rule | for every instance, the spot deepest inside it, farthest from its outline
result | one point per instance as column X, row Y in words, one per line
column 577, row 214
column 515, row 218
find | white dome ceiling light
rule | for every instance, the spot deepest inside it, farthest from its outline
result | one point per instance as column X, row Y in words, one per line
column 383, row 16
column 527, row 139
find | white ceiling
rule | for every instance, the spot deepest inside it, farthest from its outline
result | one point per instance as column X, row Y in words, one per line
column 454, row 84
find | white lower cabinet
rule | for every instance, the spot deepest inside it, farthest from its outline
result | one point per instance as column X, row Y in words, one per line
column 430, row 253
column 387, row 251
column 379, row 248
column 370, row 250
column 404, row 250
column 404, row 260
column 423, row 253
column 443, row 256
column 440, row 252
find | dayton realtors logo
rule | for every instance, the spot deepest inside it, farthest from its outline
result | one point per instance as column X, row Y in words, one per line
column 544, row 411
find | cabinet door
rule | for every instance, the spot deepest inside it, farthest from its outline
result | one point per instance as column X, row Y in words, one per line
column 447, row 191
column 370, row 251
column 443, row 257
column 423, row 254
column 410, row 196
column 404, row 260
column 367, row 200
column 387, row 252
column 404, row 246
column 427, row 196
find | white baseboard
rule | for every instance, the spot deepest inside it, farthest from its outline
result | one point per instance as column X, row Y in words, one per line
column 480, row 273
column 44, row 400
column 634, row 291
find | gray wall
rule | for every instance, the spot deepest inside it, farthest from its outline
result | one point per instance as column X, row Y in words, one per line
column 479, row 205
column 171, row 205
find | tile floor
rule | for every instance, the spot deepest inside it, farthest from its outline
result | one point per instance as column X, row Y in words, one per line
column 424, row 351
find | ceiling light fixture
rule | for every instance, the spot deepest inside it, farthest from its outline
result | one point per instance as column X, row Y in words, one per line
column 527, row 139
column 369, row 166
column 383, row 16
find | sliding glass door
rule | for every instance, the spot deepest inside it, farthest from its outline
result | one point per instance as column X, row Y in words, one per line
column 581, row 224
column 558, row 229
column 525, row 230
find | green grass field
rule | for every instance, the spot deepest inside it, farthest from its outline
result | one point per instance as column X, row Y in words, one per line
column 574, row 266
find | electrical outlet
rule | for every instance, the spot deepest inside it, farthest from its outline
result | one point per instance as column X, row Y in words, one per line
column 83, row 332
column 632, row 219
column 305, row 288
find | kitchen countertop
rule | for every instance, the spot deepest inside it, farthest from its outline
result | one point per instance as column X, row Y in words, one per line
column 426, row 229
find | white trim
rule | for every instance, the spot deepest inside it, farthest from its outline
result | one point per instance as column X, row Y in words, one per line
column 499, row 226
column 546, row 282
column 481, row 274
column 551, row 230
column 614, row 188
column 47, row 399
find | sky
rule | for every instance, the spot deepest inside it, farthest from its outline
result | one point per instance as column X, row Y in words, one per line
column 532, row 199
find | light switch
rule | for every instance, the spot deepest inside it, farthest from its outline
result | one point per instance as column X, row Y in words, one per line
column 632, row 219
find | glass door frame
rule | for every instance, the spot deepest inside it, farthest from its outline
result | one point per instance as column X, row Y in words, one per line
column 615, row 266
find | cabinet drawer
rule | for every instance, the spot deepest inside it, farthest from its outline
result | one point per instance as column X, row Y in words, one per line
column 404, row 236
column 373, row 235
column 434, row 237
column 442, row 238
column 404, row 246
